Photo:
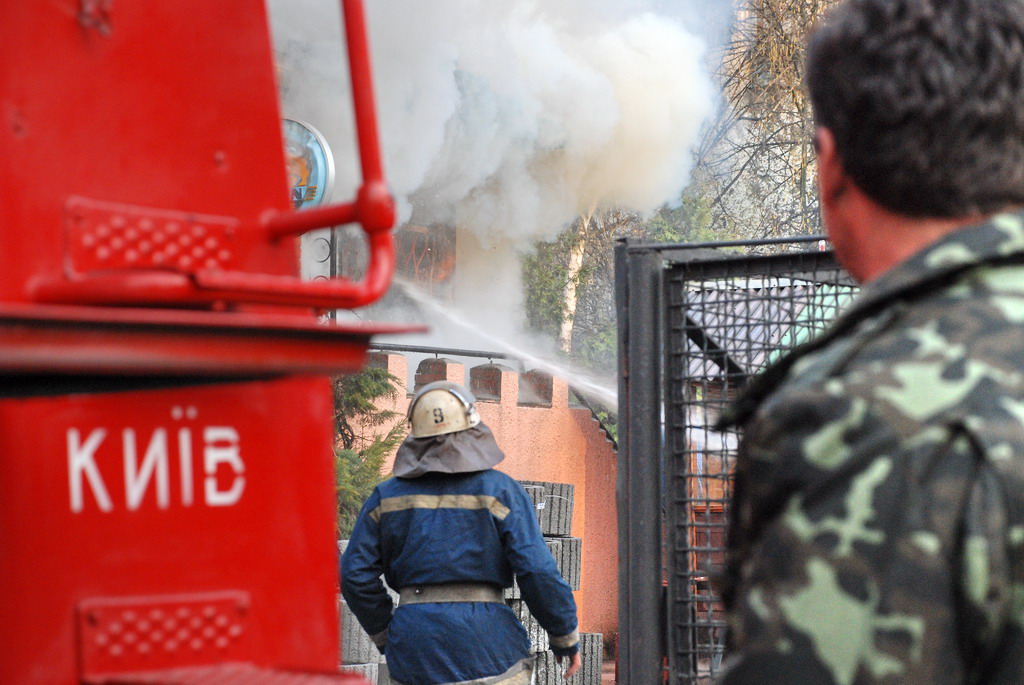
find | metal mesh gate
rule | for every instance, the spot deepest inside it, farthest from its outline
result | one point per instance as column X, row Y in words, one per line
column 719, row 318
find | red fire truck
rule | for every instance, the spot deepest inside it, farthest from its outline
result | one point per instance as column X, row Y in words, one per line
column 166, row 482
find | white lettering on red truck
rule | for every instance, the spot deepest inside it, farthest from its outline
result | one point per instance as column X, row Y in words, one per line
column 220, row 451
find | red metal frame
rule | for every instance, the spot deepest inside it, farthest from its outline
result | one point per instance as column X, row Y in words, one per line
column 139, row 282
column 167, row 495
column 147, row 530
column 91, row 340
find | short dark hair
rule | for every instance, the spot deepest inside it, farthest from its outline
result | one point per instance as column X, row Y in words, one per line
column 925, row 99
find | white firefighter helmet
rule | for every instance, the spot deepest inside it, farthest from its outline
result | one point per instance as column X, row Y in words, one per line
column 442, row 407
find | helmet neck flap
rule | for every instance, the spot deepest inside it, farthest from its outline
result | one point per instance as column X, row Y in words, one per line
column 466, row 451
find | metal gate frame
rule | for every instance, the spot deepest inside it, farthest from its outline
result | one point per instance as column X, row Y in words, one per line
column 684, row 351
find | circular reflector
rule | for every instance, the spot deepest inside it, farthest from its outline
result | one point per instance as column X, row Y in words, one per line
column 310, row 165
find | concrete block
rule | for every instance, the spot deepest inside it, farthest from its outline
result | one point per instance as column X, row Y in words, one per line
column 569, row 555
column 356, row 645
column 592, row 653
column 369, row 671
column 549, row 671
column 555, row 512
column 536, row 493
column 538, row 636
column 553, row 545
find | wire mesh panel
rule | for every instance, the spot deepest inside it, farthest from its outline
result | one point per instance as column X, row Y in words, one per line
column 726, row 318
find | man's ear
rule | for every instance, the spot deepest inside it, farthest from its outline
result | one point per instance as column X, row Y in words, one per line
column 832, row 178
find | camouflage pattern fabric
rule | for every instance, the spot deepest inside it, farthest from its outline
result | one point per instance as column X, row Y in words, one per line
column 877, row 531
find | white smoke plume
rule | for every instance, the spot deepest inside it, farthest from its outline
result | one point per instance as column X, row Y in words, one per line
column 507, row 119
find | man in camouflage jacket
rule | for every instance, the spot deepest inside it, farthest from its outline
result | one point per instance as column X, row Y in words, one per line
column 877, row 531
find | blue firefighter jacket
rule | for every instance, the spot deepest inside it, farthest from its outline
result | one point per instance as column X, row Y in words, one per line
column 474, row 527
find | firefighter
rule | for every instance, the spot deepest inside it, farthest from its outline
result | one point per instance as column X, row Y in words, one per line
column 449, row 532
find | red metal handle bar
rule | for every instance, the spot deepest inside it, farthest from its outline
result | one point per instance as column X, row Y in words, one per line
column 362, row 89
column 141, row 288
column 221, row 285
column 373, row 207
